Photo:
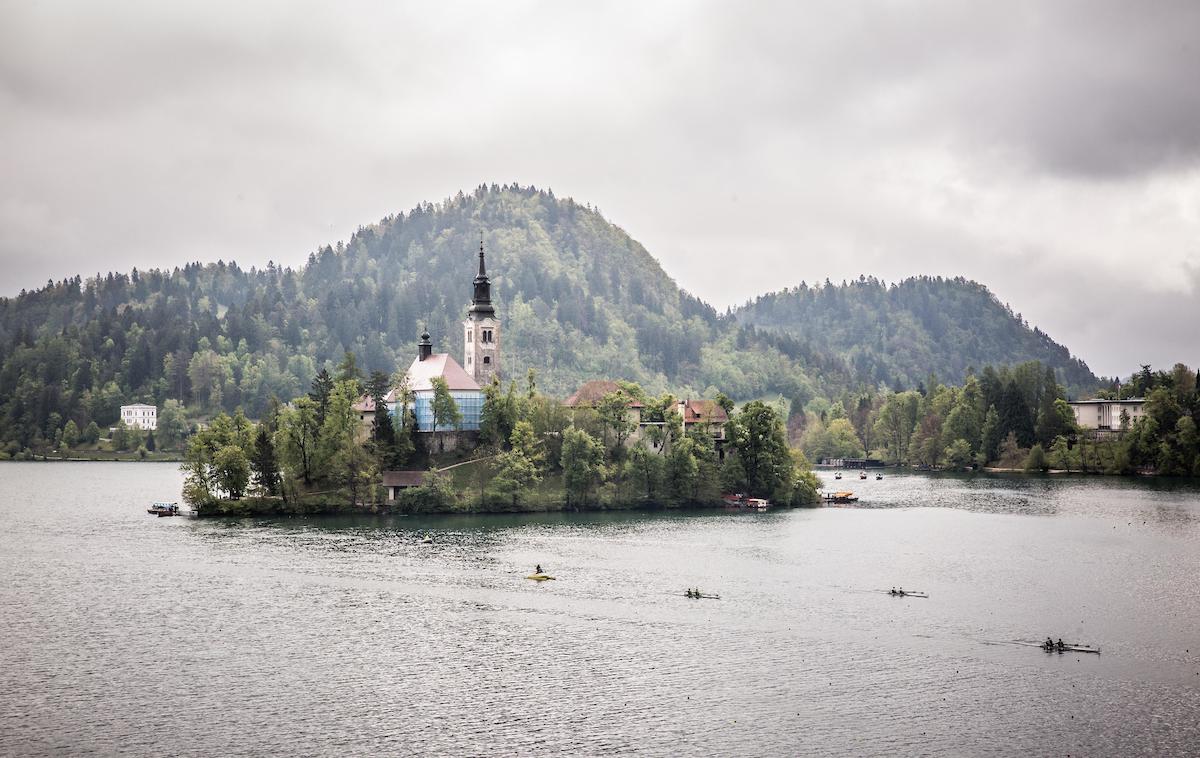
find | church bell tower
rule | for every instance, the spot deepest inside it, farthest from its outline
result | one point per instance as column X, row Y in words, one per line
column 481, row 330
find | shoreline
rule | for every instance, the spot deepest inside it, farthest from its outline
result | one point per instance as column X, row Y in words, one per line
column 276, row 508
column 109, row 458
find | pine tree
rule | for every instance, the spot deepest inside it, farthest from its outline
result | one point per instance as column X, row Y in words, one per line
column 322, row 387
column 264, row 463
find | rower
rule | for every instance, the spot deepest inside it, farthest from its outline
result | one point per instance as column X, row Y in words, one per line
column 1060, row 644
column 1048, row 644
column 537, row 569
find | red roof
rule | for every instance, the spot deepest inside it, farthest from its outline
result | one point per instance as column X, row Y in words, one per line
column 591, row 393
column 422, row 372
column 365, row 404
column 703, row 412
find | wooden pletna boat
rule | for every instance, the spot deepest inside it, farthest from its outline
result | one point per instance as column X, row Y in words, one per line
column 163, row 509
column 841, row 498
column 738, row 501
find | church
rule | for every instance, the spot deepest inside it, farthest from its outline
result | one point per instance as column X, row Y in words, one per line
column 481, row 357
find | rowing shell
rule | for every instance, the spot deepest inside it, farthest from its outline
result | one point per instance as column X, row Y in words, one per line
column 908, row 594
column 540, row 577
column 1071, row 648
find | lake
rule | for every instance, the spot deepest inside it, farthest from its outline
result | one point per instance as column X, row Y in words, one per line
column 122, row 632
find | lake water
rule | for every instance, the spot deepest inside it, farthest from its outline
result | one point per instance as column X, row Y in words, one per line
column 121, row 632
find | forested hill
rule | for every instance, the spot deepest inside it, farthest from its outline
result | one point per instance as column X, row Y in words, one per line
column 579, row 299
column 896, row 335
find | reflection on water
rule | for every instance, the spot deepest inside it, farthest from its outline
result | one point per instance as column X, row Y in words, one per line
column 349, row 635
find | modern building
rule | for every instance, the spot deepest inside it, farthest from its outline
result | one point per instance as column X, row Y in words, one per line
column 428, row 366
column 1107, row 415
column 142, row 416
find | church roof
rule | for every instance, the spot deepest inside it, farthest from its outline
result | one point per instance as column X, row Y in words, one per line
column 422, row 372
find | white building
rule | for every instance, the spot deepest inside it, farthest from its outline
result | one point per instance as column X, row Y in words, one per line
column 140, row 415
column 1107, row 414
column 481, row 331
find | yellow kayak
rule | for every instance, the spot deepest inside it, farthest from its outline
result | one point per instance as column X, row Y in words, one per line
column 539, row 577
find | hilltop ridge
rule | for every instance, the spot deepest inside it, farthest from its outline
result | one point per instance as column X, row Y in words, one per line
column 580, row 299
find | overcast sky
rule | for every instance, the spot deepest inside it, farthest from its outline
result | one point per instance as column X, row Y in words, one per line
column 1048, row 150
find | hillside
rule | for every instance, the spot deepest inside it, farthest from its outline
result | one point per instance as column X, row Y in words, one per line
column 580, row 299
column 896, row 335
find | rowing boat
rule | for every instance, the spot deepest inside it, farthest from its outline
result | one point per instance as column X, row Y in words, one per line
column 1072, row 648
column 702, row 597
column 908, row 594
column 540, row 577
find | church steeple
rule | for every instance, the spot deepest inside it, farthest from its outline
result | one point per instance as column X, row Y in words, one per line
column 482, row 302
column 481, row 330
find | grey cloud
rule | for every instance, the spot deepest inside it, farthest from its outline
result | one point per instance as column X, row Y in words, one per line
column 813, row 140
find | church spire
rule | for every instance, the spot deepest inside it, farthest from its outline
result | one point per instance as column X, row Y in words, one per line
column 481, row 303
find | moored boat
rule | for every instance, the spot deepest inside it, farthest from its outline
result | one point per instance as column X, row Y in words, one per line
column 841, row 497
column 739, row 501
column 163, row 509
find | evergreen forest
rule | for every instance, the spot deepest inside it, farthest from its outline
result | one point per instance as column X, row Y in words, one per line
column 896, row 335
column 579, row 300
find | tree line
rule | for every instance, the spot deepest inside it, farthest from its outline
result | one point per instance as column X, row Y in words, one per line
column 1014, row 417
column 314, row 453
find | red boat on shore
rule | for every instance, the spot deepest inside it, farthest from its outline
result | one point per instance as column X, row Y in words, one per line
column 744, row 503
